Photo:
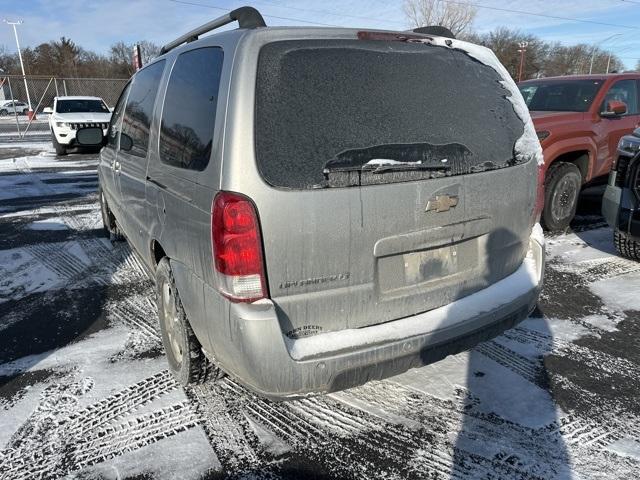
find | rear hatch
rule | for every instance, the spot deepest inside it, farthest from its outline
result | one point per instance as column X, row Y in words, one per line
column 394, row 187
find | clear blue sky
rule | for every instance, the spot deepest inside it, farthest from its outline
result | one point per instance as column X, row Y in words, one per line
column 97, row 24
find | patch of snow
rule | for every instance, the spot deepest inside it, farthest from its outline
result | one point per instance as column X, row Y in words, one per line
column 620, row 292
column 77, row 251
column 603, row 322
column 626, row 447
column 388, row 161
column 49, row 224
column 537, row 234
column 268, row 440
column 559, row 329
column 22, row 274
column 186, row 455
column 589, row 245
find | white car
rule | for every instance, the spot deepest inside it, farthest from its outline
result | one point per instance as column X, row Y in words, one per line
column 71, row 113
column 10, row 107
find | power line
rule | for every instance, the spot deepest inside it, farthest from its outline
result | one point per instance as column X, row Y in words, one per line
column 542, row 15
column 289, row 19
column 335, row 14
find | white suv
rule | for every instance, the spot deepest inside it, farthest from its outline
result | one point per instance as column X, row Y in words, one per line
column 9, row 106
column 71, row 113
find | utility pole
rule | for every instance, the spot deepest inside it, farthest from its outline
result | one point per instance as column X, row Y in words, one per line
column 24, row 77
column 523, row 48
column 593, row 50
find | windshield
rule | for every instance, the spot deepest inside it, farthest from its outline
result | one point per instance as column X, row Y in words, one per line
column 560, row 95
column 81, row 106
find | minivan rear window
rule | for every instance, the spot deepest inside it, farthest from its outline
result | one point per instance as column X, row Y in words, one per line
column 332, row 113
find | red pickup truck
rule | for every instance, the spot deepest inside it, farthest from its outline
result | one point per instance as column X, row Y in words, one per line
column 579, row 121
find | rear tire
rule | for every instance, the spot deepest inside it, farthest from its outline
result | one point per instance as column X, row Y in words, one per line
column 561, row 191
column 61, row 150
column 4, row 113
column 108, row 219
column 626, row 246
column 186, row 359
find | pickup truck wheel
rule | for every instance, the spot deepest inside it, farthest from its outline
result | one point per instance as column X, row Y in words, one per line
column 562, row 188
column 626, row 246
column 61, row 150
column 184, row 353
column 4, row 113
column 108, row 219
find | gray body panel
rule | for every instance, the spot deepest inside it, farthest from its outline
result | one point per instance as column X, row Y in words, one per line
column 336, row 258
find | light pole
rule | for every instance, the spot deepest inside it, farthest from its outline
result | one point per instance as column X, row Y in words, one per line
column 619, row 51
column 593, row 50
column 24, row 77
column 523, row 48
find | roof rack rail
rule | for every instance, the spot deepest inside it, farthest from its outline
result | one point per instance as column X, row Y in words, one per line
column 435, row 30
column 247, row 17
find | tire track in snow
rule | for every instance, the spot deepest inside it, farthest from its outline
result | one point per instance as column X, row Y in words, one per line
column 531, row 371
column 115, row 440
column 521, row 455
column 57, row 439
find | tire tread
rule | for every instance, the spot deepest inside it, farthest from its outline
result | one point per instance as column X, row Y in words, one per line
column 627, row 247
column 199, row 368
column 555, row 171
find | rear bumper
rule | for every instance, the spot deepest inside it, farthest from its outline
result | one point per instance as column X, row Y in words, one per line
column 278, row 367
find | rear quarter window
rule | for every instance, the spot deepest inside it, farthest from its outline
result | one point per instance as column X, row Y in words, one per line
column 139, row 110
column 189, row 112
column 352, row 101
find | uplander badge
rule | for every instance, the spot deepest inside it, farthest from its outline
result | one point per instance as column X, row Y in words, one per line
column 315, row 281
column 441, row 203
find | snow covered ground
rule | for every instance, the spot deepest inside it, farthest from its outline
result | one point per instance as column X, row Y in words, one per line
column 85, row 394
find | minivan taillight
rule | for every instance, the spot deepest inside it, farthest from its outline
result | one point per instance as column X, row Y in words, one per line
column 537, row 210
column 237, row 248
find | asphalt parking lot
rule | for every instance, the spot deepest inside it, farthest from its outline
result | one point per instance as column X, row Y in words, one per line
column 85, row 394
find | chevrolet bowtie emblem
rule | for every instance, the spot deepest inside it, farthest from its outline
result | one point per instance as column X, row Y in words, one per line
column 441, row 203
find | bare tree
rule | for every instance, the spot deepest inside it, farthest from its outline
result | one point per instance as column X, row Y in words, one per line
column 456, row 16
column 148, row 51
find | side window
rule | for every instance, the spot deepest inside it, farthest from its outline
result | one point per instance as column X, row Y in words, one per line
column 189, row 113
column 115, row 125
column 624, row 91
column 137, row 114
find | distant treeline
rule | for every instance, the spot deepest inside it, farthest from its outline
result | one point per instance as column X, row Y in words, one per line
column 63, row 58
column 545, row 59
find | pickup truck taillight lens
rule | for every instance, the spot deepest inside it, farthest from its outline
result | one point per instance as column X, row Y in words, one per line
column 237, row 248
column 537, row 210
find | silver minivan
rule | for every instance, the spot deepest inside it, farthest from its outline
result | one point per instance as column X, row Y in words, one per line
column 320, row 207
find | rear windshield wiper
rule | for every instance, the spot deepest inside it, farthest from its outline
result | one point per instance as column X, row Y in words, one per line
column 384, row 165
column 399, row 157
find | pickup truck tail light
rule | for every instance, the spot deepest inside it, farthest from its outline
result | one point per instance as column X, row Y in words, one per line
column 237, row 248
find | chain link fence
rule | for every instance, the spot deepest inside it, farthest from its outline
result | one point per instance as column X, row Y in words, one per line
column 16, row 92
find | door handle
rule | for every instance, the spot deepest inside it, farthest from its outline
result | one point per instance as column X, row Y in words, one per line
column 116, row 166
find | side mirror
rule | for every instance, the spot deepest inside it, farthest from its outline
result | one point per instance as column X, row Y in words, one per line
column 90, row 137
column 47, row 110
column 614, row 108
column 126, row 142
